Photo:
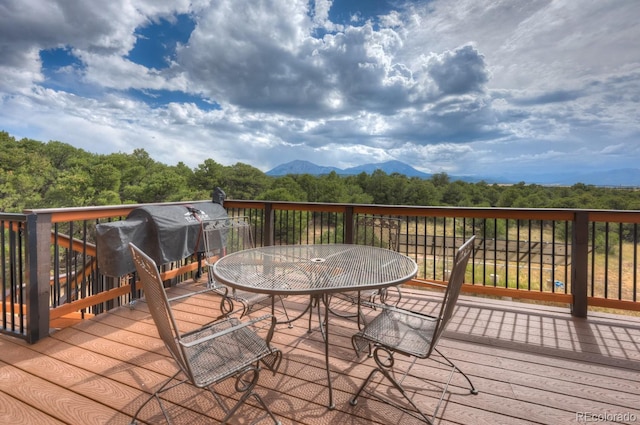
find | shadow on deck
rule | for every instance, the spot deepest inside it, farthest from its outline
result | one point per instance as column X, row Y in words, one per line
column 531, row 364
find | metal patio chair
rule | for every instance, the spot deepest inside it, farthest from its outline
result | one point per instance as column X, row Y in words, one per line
column 218, row 351
column 223, row 236
column 400, row 331
column 383, row 232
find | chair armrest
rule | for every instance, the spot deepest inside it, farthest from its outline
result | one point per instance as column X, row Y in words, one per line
column 227, row 331
column 399, row 310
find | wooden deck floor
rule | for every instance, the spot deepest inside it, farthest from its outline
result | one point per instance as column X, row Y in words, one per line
column 531, row 364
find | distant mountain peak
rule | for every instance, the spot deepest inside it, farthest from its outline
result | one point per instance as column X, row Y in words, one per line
column 611, row 178
column 389, row 167
column 306, row 167
column 300, row 167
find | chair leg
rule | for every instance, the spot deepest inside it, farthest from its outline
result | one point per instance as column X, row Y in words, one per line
column 359, row 343
column 354, row 399
column 165, row 387
column 246, row 308
column 473, row 389
column 264, row 406
column 389, row 376
column 385, row 367
column 272, row 361
column 399, row 296
column 399, row 387
column 385, row 293
column 246, row 387
column 226, row 306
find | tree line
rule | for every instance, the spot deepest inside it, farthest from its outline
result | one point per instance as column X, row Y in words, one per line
column 35, row 174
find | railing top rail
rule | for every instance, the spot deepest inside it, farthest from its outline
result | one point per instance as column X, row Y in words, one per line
column 95, row 212
column 13, row 217
column 630, row 216
column 618, row 216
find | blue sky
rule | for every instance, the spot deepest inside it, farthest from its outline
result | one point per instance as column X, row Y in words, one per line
column 513, row 88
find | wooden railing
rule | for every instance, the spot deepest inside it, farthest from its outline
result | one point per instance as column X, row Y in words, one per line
column 577, row 258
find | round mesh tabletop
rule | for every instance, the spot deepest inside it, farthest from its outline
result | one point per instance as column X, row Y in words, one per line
column 309, row 269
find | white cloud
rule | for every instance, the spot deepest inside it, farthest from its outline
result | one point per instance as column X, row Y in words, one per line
column 445, row 86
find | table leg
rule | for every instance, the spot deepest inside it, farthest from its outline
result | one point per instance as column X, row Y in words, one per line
column 290, row 321
column 321, row 322
column 325, row 300
column 324, row 329
column 312, row 299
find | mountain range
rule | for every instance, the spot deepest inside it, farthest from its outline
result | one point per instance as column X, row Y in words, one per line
column 306, row 167
column 619, row 177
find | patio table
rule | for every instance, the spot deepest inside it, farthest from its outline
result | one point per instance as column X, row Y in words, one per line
column 317, row 271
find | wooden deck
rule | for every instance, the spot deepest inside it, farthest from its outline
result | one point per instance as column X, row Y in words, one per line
column 531, row 364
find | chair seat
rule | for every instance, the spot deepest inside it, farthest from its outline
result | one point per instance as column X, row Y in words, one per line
column 214, row 360
column 400, row 330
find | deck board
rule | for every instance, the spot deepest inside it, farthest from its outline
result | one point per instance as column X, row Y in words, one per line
column 14, row 411
column 532, row 365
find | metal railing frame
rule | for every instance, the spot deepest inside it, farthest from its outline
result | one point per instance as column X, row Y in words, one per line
column 582, row 223
column 29, row 317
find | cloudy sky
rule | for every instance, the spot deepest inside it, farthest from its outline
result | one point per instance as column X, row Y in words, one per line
column 467, row 87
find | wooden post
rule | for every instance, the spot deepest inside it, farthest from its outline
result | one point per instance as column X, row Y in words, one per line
column 269, row 224
column 348, row 224
column 580, row 264
column 38, row 275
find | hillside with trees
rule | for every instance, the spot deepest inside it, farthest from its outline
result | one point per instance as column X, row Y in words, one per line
column 35, row 174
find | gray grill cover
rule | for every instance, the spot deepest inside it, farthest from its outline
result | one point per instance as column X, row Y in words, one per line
column 165, row 232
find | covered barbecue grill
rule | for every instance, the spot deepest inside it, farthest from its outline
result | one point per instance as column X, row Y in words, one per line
column 165, row 232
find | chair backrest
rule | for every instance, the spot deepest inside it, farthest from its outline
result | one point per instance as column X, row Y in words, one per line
column 378, row 231
column 456, row 279
column 158, row 303
column 226, row 235
column 223, row 236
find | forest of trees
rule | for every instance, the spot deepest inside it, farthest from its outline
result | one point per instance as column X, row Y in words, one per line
column 35, row 174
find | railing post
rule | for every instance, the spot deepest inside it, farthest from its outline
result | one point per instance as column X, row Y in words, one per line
column 38, row 267
column 580, row 264
column 348, row 224
column 269, row 224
